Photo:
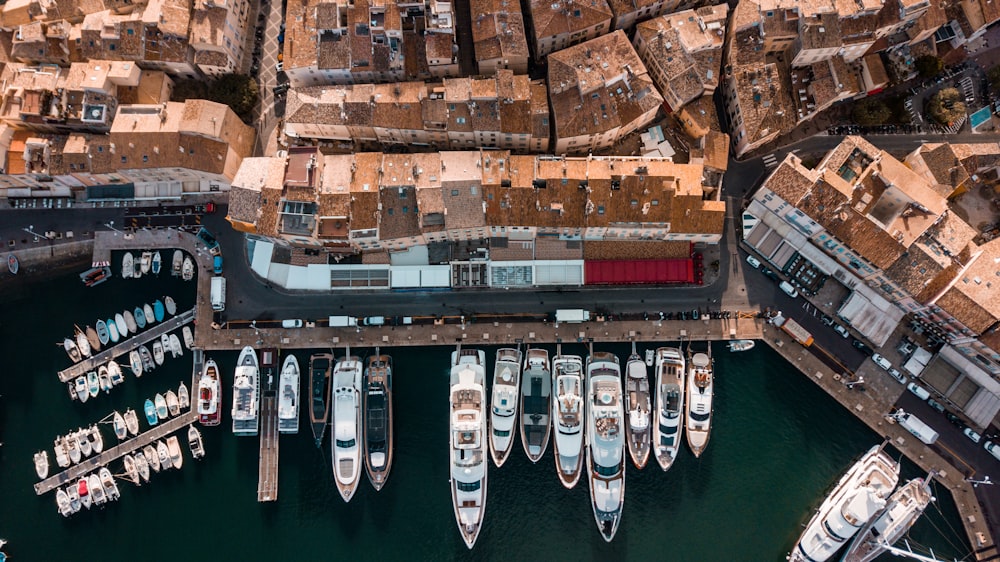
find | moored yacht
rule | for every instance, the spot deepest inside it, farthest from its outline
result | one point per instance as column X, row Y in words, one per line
column 504, row 402
column 701, row 384
column 62, row 503
column 637, row 404
column 605, row 442
column 195, row 443
column 319, row 404
column 669, row 379
column 209, row 395
column 858, row 496
column 142, row 466
column 346, row 433
column 62, row 453
column 378, row 419
column 42, row 464
column 131, row 469
column 568, row 417
column 246, row 392
column 109, row 484
column 468, row 441
column 288, row 396
column 118, row 422
column 96, row 489
column 174, row 448
column 135, row 362
column 536, row 397
column 183, row 398
column 152, row 458
column 902, row 510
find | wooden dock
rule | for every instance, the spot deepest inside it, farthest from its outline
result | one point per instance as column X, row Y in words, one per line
column 123, row 348
column 267, row 482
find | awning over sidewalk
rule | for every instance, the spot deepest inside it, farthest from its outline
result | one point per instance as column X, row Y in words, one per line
column 875, row 318
column 626, row 272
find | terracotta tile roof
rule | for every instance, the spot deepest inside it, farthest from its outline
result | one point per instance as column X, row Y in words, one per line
column 978, row 306
column 716, row 147
column 567, row 16
column 462, row 190
column 498, row 29
column 821, row 31
column 939, row 165
column 648, row 249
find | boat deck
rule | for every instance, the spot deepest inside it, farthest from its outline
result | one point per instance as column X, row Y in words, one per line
column 124, row 347
column 267, row 481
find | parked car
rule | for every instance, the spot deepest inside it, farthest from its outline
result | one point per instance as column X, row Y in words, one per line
column 374, row 321
column 881, row 361
column 955, row 420
column 936, row 405
column 754, row 262
column 841, row 330
column 919, row 391
column 770, row 274
column 858, row 344
column 292, row 323
column 971, row 434
column 898, row 376
column 788, row 289
column 993, row 449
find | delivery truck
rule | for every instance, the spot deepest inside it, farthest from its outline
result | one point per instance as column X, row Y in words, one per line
column 914, row 425
column 572, row 315
column 218, row 290
column 794, row 329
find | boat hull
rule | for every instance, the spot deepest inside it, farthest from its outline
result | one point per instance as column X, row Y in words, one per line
column 378, row 437
column 504, row 403
column 345, row 437
column 320, row 366
column 536, row 388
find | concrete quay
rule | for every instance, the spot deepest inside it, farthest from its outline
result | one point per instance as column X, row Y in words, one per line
column 871, row 408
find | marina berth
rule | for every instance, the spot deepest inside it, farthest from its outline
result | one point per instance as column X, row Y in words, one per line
column 700, row 390
column 82, row 343
column 159, row 312
column 467, row 418
column 669, row 379
column 288, row 396
column 163, row 454
column 74, row 498
column 108, row 482
column 62, row 453
column 161, row 406
column 93, row 384
column 96, row 439
column 122, row 325
column 150, row 410
column 104, row 378
column 83, row 490
column 158, row 352
column 506, row 391
column 83, row 438
column 173, row 405
column 62, row 503
column 188, row 336
column 147, row 359
column 175, row 266
column 137, row 267
column 568, row 415
column 345, row 435
column 72, row 350
column 130, row 468
column 157, row 263
column 606, row 442
column 320, row 367
column 378, row 430
column 146, row 262
column 135, row 362
column 175, row 346
column 246, row 394
column 97, row 490
column 92, row 339
column 170, row 305
column 637, row 405
column 115, row 372
column 82, row 390
column 536, row 396
column 187, row 269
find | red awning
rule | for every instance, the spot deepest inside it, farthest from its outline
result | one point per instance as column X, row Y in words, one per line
column 623, row 272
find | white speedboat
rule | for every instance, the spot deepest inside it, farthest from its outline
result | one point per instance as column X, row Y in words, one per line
column 82, row 343
column 62, row 503
column 175, row 266
column 142, row 466
column 183, row 398
column 41, row 464
column 131, row 422
column 669, row 379
column 96, row 439
column 62, row 452
column 187, row 269
column 118, row 422
column 158, row 352
column 165, row 343
column 74, row 498
column 346, row 434
column 176, row 456
column 131, row 470
column 127, row 267
column 195, row 443
column 113, row 334
column 568, row 412
column 115, row 372
column 147, row 359
column 109, row 484
column 135, row 362
column 97, row 490
column 104, row 378
column 163, row 453
column 288, row 396
column 468, row 441
column 246, row 393
column 162, row 410
column 637, row 404
column 175, row 346
column 82, row 437
column 146, row 262
column 147, row 311
column 170, row 305
column 536, row 403
column 504, row 400
column 93, row 384
column 858, row 496
column 121, row 325
column 188, row 336
column 209, row 395
column 83, row 490
column 152, row 457
column 741, row 345
column 82, row 391
column 173, row 405
column 606, row 442
column 701, row 384
column 73, row 448
column 904, row 507
column 74, row 352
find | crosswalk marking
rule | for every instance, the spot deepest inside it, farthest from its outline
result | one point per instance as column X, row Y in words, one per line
column 770, row 161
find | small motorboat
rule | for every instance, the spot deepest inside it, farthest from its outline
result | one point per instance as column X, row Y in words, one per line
column 104, row 378
column 175, row 346
column 62, row 503
column 96, row 439
column 187, row 270
column 108, row 481
column 147, row 311
column 140, row 317
column 135, row 361
column 93, row 383
column 146, row 262
column 71, row 386
column 81, row 388
column 171, row 306
column 741, row 345
column 103, row 335
column 147, row 359
column 97, row 490
column 12, row 264
column 83, row 490
column 121, row 324
column 62, row 453
column 158, row 310
column 158, row 352
column 178, row 260
column 164, row 454
column 95, row 276
column 183, row 398
column 173, row 405
column 165, row 343
column 188, row 336
column 70, row 346
column 127, row 266
column 115, row 372
column 195, row 443
column 142, row 465
column 137, row 267
column 113, row 330
column 82, row 437
column 133, row 326
column 161, row 406
column 121, row 431
column 73, row 448
column 157, row 263
column 150, row 411
column 149, row 451
column 42, row 463
column 82, row 343
column 74, row 500
column 131, row 470
column 131, row 422
column 174, row 448
column 92, row 339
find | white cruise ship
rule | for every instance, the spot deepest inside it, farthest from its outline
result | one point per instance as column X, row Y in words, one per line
column 669, row 374
column 504, row 403
column 246, row 393
column 902, row 510
column 606, row 441
column 467, row 419
column 858, row 496
column 701, row 385
column 288, row 396
column 568, row 417
column 346, row 434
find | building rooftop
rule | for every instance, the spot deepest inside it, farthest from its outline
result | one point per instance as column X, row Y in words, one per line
column 498, row 29
column 557, row 17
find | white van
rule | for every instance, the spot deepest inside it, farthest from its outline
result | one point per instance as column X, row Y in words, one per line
column 293, row 323
column 919, row 391
column 788, row 289
column 881, row 361
column 993, row 449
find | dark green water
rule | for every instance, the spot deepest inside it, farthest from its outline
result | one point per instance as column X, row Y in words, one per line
column 777, row 444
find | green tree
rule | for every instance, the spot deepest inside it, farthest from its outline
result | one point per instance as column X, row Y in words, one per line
column 871, row 111
column 946, row 106
column 928, row 66
column 238, row 91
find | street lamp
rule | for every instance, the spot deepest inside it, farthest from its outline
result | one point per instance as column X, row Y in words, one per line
column 111, row 225
column 30, row 231
column 975, row 483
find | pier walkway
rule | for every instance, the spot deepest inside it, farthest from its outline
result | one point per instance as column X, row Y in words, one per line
column 123, row 348
column 74, row 472
column 267, row 482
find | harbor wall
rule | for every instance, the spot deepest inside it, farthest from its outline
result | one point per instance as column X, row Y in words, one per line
column 46, row 260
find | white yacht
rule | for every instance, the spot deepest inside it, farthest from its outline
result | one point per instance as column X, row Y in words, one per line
column 568, row 413
column 467, row 417
column 700, row 383
column 536, row 403
column 288, row 396
column 669, row 375
column 901, row 511
column 62, row 452
column 503, row 415
column 246, row 393
column 637, row 404
column 62, row 503
column 858, row 496
column 605, row 441
column 42, row 464
column 142, row 465
column 346, row 434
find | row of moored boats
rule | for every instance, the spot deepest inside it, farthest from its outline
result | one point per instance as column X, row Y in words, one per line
column 70, row 449
column 166, row 405
column 89, row 341
column 134, row 267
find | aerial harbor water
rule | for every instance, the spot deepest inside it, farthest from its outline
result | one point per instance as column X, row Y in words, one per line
column 778, row 443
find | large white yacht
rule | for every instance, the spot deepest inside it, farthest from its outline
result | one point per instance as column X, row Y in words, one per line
column 858, row 496
column 468, row 441
column 506, row 391
column 209, row 396
column 901, row 511
column 346, row 400
column 669, row 374
column 699, row 401
column 637, row 404
column 378, row 419
column 605, row 441
column 246, row 393
column 536, row 397
column 288, row 396
column 568, row 413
